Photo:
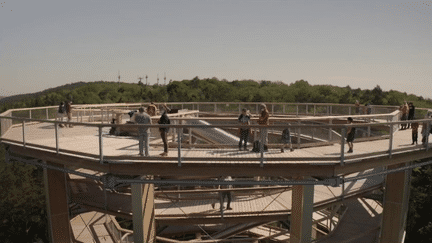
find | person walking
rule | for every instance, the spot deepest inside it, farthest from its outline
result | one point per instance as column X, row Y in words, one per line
column 142, row 118
column 263, row 120
column 350, row 135
column 69, row 112
column 244, row 119
column 404, row 110
column 164, row 119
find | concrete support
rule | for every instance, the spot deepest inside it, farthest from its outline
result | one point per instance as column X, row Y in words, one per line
column 144, row 226
column 395, row 209
column 301, row 214
column 57, row 205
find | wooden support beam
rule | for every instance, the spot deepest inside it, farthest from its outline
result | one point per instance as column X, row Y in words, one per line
column 143, row 214
column 396, row 198
column 57, row 205
column 301, row 214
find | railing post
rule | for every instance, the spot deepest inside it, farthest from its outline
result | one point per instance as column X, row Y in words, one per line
column 314, row 110
column 369, row 131
column 272, row 110
column 297, row 112
column 100, row 145
column 23, row 133
column 283, row 108
column 102, row 116
column 256, row 108
column 307, row 109
column 298, row 135
column 46, row 112
column 391, row 141
column 343, row 134
column 428, row 127
column 179, row 145
column 331, row 110
column 56, row 136
column 262, row 132
column 328, row 111
column 30, row 114
column 349, row 110
column 190, row 135
column 330, row 130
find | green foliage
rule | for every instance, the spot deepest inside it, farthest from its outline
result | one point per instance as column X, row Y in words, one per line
column 22, row 204
column 419, row 222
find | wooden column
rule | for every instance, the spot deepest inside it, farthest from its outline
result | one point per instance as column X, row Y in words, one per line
column 144, row 225
column 57, row 205
column 301, row 214
column 396, row 198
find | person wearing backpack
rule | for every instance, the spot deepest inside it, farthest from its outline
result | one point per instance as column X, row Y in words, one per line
column 61, row 113
column 286, row 139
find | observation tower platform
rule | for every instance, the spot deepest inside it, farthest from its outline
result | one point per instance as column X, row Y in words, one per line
column 309, row 194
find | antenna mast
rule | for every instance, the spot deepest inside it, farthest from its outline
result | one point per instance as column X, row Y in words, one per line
column 158, row 79
column 164, row 78
column 119, row 78
column 146, row 79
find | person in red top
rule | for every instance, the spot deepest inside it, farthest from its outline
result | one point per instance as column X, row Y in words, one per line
column 264, row 121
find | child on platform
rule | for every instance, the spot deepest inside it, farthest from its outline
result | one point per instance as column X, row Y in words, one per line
column 414, row 127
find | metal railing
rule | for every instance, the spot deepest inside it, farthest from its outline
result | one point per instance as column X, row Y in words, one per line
column 303, row 129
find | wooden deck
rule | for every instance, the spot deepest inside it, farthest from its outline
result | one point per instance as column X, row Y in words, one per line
column 85, row 141
column 267, row 206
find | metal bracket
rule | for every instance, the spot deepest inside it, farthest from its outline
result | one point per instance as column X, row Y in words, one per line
column 333, row 181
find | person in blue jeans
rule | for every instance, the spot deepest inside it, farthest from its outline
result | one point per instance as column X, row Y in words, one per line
column 142, row 118
column 244, row 119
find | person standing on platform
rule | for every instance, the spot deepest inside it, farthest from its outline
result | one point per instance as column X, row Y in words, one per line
column 69, row 112
column 357, row 107
column 286, row 139
column 61, row 113
column 263, row 120
column 164, row 119
column 142, row 118
column 350, row 135
column 411, row 112
column 224, row 194
column 244, row 119
column 151, row 109
column 426, row 128
column 414, row 127
column 404, row 110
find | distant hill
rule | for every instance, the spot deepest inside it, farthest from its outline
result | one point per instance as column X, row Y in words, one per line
column 15, row 98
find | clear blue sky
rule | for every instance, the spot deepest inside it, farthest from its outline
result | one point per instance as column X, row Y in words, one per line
column 360, row 43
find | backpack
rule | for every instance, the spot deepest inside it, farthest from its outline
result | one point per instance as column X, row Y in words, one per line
column 61, row 108
column 257, row 145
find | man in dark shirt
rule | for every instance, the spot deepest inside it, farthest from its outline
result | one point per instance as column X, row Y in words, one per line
column 164, row 119
column 244, row 119
column 350, row 135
